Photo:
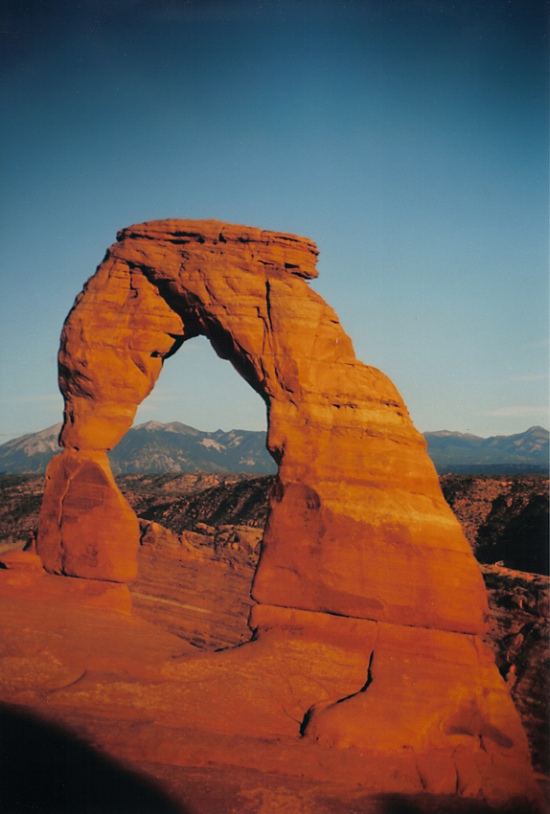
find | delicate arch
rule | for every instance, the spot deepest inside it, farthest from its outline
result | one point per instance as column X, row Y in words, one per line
column 357, row 524
column 361, row 555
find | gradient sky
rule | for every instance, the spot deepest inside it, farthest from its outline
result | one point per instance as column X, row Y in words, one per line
column 408, row 138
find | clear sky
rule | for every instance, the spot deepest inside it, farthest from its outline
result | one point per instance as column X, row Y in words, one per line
column 408, row 138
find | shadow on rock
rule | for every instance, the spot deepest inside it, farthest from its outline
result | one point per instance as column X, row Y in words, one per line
column 437, row 804
column 47, row 770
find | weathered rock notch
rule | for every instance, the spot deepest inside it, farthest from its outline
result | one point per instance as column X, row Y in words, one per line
column 360, row 547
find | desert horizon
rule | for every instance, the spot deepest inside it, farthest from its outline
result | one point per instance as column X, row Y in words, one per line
column 154, row 446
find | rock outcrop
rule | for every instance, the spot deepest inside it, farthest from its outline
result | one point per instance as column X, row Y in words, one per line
column 361, row 554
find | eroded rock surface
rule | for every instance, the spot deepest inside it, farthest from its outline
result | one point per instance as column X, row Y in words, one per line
column 365, row 579
column 355, row 483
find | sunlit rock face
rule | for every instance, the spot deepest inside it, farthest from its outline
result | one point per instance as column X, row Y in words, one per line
column 360, row 546
column 358, row 525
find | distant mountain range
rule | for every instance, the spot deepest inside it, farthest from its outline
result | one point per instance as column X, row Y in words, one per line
column 524, row 453
column 154, row 448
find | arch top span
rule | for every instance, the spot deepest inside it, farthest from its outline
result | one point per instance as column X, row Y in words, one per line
column 162, row 283
column 280, row 251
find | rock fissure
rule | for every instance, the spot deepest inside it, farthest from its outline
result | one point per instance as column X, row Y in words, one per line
column 61, row 524
column 365, row 686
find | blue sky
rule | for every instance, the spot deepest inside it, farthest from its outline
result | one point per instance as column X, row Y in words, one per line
column 408, row 138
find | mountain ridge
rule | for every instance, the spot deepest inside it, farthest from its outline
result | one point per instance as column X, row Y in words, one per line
column 154, row 447
column 464, row 453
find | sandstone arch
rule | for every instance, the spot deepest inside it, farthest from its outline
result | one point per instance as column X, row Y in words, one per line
column 354, row 478
column 360, row 545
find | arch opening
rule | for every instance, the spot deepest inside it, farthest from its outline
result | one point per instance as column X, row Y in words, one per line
column 200, row 531
column 199, row 388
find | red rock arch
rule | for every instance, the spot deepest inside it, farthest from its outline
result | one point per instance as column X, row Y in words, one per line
column 360, row 548
column 358, row 525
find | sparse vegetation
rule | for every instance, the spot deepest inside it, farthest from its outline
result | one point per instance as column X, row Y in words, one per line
column 505, row 519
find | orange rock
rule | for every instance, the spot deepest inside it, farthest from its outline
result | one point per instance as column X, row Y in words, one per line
column 48, row 591
column 358, row 524
column 17, row 560
column 156, row 535
column 426, row 689
column 86, row 527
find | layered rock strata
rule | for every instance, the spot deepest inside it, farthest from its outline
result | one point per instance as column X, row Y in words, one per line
column 359, row 541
